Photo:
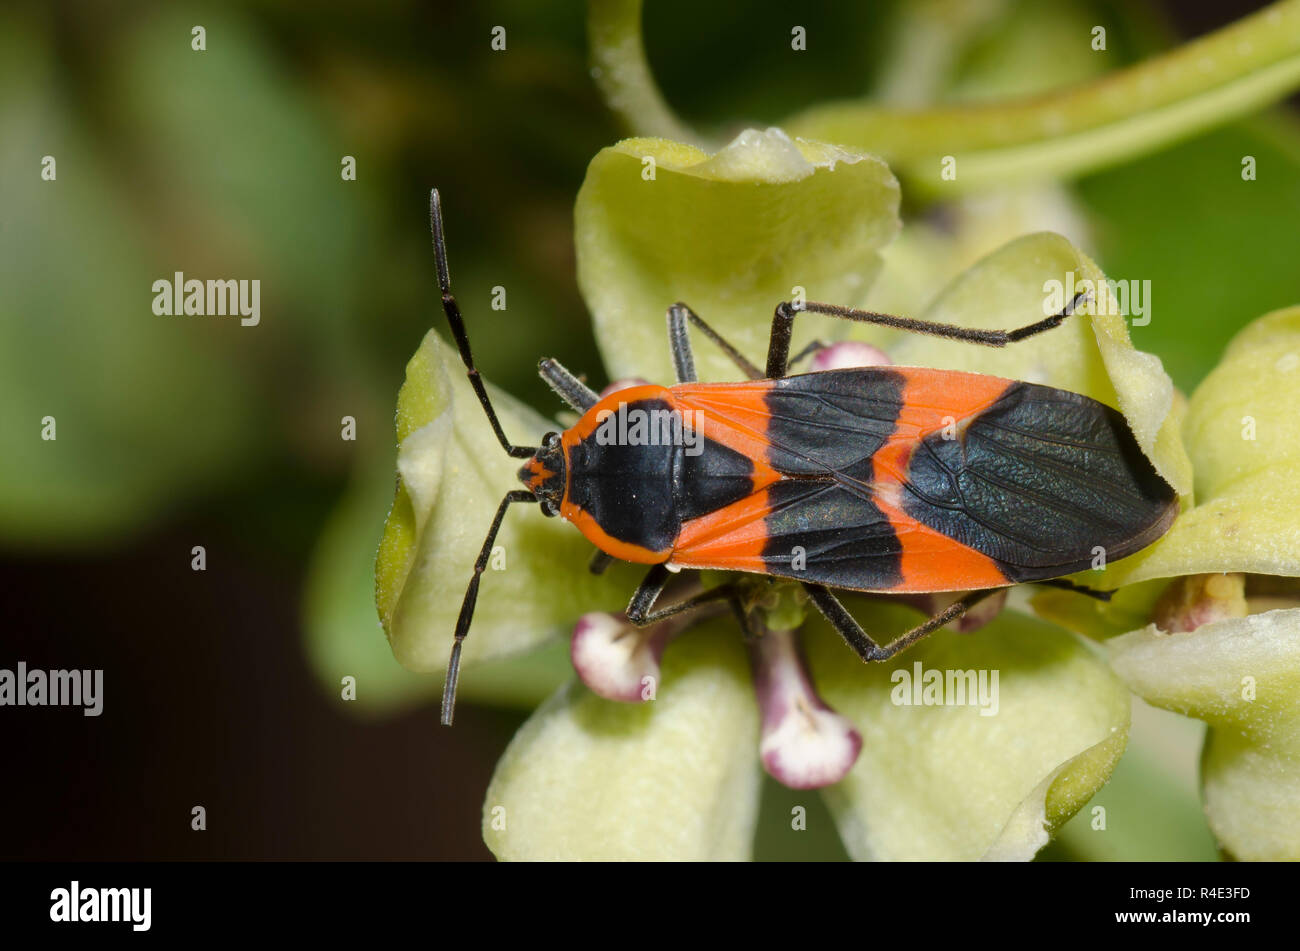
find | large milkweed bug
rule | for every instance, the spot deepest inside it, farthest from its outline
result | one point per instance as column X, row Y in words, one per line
column 882, row 479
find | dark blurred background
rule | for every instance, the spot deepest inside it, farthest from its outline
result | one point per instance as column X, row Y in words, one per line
column 176, row 432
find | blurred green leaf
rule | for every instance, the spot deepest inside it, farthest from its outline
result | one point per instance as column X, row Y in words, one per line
column 144, row 414
column 229, row 136
column 1232, row 72
column 1217, row 249
column 1026, row 47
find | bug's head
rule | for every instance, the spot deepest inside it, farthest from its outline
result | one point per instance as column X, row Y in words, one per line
column 543, row 474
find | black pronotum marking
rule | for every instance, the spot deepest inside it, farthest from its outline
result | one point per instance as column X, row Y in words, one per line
column 641, row 493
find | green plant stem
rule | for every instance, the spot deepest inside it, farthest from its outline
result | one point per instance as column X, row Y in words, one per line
column 1066, row 133
column 622, row 73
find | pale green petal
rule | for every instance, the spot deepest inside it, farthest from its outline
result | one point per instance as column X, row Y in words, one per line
column 731, row 235
column 1090, row 353
column 1248, row 512
column 947, row 783
column 343, row 636
column 452, row 474
column 1150, row 808
column 1129, row 608
column 1004, row 290
column 674, row 778
column 1242, row 676
column 931, row 253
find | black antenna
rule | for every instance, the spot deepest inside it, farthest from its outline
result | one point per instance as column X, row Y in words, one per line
column 457, row 323
column 471, row 597
column 452, row 311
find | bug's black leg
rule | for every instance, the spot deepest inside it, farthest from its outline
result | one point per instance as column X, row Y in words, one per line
column 647, row 592
column 471, row 598
column 742, row 616
column 805, row 353
column 600, row 560
column 452, row 310
column 861, row 642
column 842, row 621
column 1067, row 585
column 679, row 340
column 783, row 323
column 567, row 387
column 643, row 599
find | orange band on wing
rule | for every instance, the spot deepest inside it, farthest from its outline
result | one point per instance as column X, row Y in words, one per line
column 731, row 538
column 735, row 415
column 933, row 399
column 930, row 560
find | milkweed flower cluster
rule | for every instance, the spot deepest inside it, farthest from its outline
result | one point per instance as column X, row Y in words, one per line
column 656, row 748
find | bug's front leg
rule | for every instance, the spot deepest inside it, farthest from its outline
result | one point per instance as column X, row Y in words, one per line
column 679, row 340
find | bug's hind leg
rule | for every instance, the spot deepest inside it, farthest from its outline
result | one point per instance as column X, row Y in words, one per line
column 1066, row 584
column 778, row 348
column 679, row 341
column 600, row 560
column 861, row 642
column 805, row 353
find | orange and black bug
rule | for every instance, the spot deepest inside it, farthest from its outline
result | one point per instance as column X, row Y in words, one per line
column 895, row 480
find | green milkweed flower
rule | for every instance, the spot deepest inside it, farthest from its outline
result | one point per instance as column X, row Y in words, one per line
column 1222, row 642
column 677, row 776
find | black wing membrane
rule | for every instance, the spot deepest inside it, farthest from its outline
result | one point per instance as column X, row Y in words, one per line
column 1044, row 482
column 824, row 525
column 821, row 531
column 1041, row 481
column 832, row 422
column 820, row 523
